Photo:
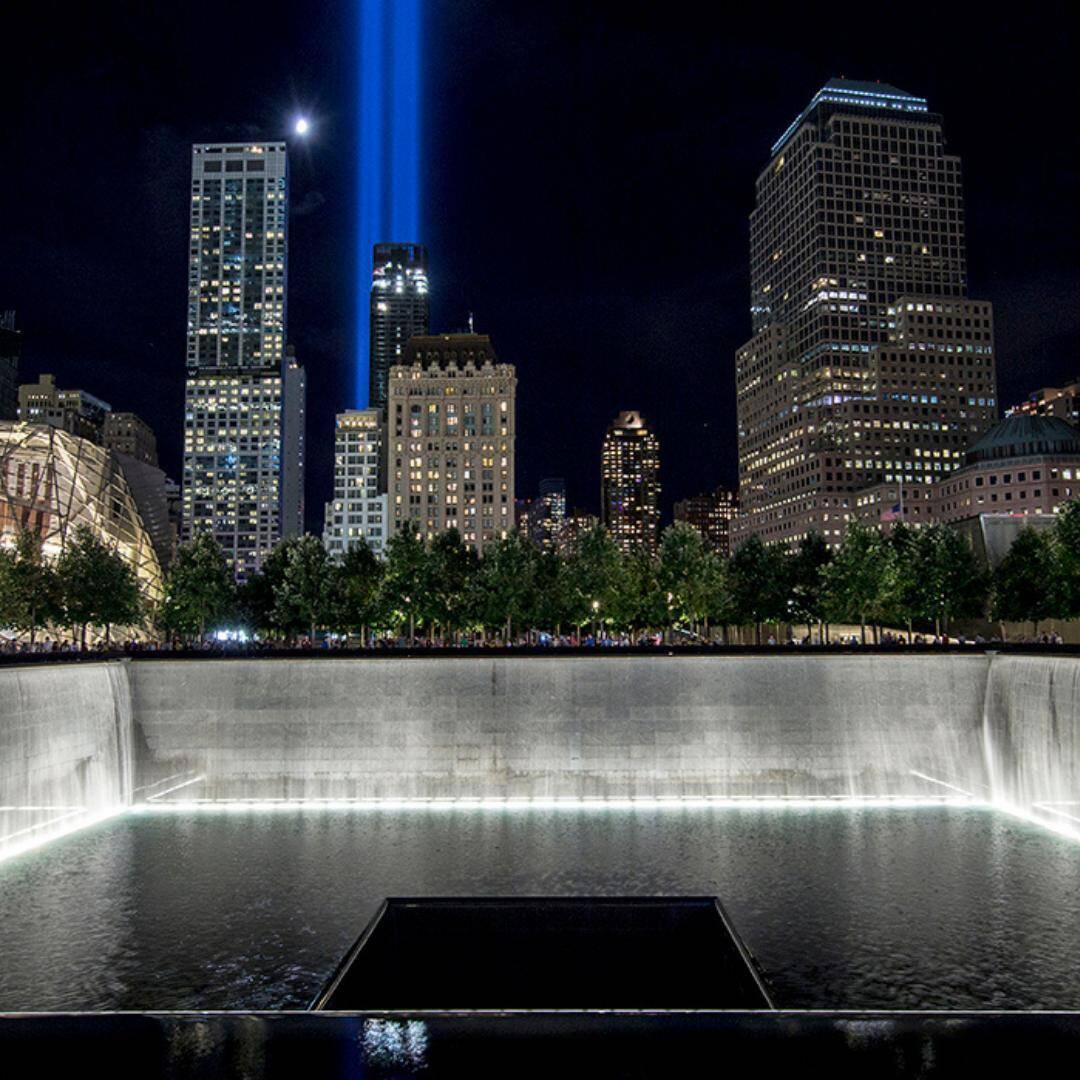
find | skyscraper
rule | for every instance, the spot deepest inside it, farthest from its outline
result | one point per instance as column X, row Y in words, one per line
column 399, row 310
column 242, row 459
column 630, row 483
column 711, row 514
column 451, row 438
column 869, row 364
column 10, row 351
column 358, row 510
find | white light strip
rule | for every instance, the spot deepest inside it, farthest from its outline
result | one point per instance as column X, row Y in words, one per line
column 657, row 803
column 934, row 780
column 10, row 851
column 175, row 787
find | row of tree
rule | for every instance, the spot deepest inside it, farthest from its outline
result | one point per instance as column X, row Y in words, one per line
column 89, row 585
column 441, row 591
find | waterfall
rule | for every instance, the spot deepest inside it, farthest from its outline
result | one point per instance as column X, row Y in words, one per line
column 65, row 750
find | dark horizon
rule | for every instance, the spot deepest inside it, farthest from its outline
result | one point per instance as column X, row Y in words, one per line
column 587, row 182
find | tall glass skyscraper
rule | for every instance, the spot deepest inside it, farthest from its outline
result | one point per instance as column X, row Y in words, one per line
column 399, row 311
column 869, row 364
column 243, row 423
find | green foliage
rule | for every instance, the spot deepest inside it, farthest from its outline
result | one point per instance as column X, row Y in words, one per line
column 807, row 579
column 1023, row 581
column 98, row 586
column 256, row 598
column 641, row 601
column 758, row 583
column 29, row 587
column 506, row 582
column 943, row 576
column 448, row 585
column 682, row 576
column 355, row 590
column 859, row 581
column 404, row 582
column 199, row 589
column 593, row 576
column 1066, row 560
column 303, row 598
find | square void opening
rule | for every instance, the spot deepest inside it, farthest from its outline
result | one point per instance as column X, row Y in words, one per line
column 547, row 953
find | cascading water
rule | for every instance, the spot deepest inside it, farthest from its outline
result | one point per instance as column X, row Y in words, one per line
column 1031, row 738
column 65, row 750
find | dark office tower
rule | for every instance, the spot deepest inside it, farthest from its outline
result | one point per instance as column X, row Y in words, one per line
column 630, row 483
column 10, row 351
column 711, row 514
column 869, row 364
column 399, row 311
column 243, row 449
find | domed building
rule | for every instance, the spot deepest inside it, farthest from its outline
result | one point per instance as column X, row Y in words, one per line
column 1025, row 466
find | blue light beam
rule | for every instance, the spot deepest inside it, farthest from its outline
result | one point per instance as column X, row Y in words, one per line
column 388, row 147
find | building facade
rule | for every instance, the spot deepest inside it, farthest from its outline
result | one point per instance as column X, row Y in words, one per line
column 630, row 483
column 358, row 511
column 52, row 481
column 1060, row 401
column 711, row 514
column 129, row 434
column 243, row 462
column 10, row 353
column 541, row 519
column 399, row 311
column 1026, row 466
column 451, row 439
column 869, row 364
column 75, row 411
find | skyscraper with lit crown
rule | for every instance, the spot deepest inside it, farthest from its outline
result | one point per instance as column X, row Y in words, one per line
column 869, row 364
column 630, row 483
column 244, row 412
column 399, row 311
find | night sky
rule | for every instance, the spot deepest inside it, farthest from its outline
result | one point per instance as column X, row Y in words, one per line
column 588, row 174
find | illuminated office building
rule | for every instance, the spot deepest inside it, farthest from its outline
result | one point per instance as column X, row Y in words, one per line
column 630, row 483
column 869, row 363
column 76, row 411
column 1060, row 401
column 243, row 427
column 399, row 311
column 358, row 511
column 451, row 439
column 711, row 514
column 129, row 434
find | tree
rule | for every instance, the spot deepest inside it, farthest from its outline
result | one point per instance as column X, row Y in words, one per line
column 681, row 575
column 199, row 588
column 29, row 589
column 256, row 598
column 355, row 590
column 304, row 594
column 947, row 579
column 97, row 585
column 1066, row 558
column 405, row 580
column 552, row 603
column 593, row 575
column 858, row 580
column 807, row 583
column 641, row 600
column 506, row 580
column 759, row 581
column 447, row 588
column 1023, row 580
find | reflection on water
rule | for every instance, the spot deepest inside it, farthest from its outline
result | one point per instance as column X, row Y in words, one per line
column 887, row 908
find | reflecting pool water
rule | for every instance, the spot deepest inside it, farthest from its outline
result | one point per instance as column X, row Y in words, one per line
column 844, row 908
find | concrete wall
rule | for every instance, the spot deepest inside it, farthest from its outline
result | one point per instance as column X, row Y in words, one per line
column 65, row 749
column 78, row 741
column 560, row 728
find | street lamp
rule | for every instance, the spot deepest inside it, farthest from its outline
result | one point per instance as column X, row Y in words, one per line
column 595, row 610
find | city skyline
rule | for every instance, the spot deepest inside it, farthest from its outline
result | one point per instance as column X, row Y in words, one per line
column 555, row 340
